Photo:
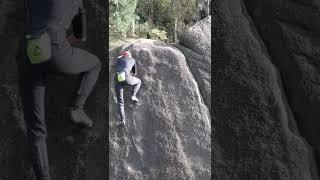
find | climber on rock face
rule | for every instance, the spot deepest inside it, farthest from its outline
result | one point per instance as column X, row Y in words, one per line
column 123, row 76
column 47, row 49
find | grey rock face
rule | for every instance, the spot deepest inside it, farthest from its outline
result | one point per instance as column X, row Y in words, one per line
column 255, row 135
column 168, row 132
column 195, row 44
column 13, row 161
column 198, row 37
column 291, row 30
column 73, row 154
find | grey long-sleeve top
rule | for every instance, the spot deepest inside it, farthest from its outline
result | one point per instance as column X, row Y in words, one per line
column 126, row 65
column 45, row 14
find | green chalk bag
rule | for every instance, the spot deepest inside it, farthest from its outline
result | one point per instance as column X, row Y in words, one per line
column 121, row 76
column 38, row 48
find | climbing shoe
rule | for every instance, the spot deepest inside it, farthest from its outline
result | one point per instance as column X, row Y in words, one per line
column 78, row 116
column 134, row 98
column 121, row 123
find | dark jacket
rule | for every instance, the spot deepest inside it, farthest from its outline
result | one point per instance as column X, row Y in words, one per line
column 51, row 14
column 126, row 65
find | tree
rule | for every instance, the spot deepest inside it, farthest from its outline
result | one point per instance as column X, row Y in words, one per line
column 181, row 10
column 172, row 13
column 123, row 15
column 171, row 16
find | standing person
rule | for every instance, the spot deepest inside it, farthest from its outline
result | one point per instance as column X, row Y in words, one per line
column 123, row 76
column 45, row 49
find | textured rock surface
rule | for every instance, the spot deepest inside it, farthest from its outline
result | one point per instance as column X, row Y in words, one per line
column 195, row 44
column 255, row 134
column 73, row 154
column 291, row 30
column 13, row 161
column 198, row 37
column 168, row 131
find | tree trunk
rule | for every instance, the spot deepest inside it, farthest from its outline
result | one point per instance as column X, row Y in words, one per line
column 133, row 25
column 151, row 10
column 175, row 29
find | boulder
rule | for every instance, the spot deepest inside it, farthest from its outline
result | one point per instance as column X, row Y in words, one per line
column 167, row 134
column 290, row 28
column 195, row 44
column 255, row 135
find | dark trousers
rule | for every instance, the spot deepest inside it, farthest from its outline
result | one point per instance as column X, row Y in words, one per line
column 119, row 87
column 32, row 84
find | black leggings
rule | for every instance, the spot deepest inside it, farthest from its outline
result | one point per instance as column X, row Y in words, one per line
column 32, row 82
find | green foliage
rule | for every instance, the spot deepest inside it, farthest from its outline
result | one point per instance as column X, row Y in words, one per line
column 144, row 28
column 158, row 34
column 158, row 19
column 163, row 13
column 122, row 15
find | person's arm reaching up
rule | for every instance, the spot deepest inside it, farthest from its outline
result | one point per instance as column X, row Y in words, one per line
column 79, row 24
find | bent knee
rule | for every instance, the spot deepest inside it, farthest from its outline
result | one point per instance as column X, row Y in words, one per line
column 38, row 136
column 139, row 81
column 121, row 103
column 98, row 63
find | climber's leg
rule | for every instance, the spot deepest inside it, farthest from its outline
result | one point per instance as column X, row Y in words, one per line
column 34, row 114
column 32, row 83
column 131, row 80
column 72, row 60
column 119, row 93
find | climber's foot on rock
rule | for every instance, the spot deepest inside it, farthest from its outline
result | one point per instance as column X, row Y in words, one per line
column 121, row 123
column 79, row 117
column 135, row 99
